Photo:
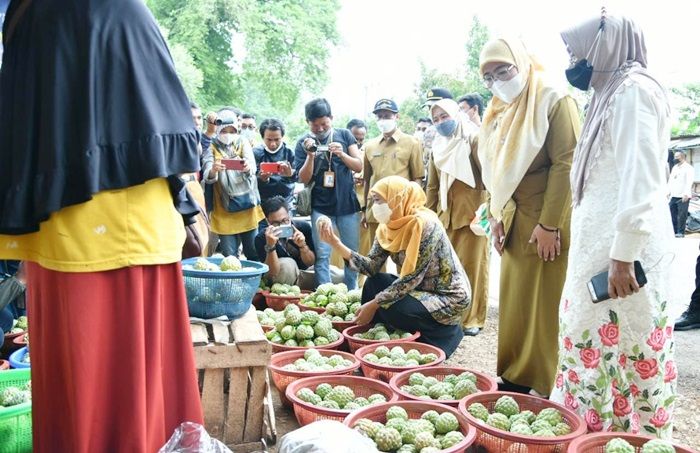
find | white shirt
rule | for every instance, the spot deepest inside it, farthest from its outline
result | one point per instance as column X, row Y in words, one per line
column 680, row 184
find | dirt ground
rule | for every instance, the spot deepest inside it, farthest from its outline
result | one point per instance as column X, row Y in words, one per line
column 479, row 353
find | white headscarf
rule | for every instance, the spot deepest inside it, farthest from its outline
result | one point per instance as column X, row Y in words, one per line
column 452, row 154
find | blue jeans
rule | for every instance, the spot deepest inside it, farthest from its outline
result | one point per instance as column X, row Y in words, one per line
column 229, row 244
column 348, row 227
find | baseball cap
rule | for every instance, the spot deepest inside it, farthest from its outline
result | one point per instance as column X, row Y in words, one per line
column 386, row 104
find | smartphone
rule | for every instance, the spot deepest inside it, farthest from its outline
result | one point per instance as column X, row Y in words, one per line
column 233, row 164
column 273, row 168
column 285, row 231
column 598, row 286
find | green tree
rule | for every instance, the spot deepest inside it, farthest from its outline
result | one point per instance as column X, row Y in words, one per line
column 281, row 48
column 689, row 110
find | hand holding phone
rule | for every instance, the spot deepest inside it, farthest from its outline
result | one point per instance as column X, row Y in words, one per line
column 285, row 231
column 234, row 164
column 598, row 285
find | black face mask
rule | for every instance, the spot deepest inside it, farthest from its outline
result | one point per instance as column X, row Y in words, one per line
column 579, row 76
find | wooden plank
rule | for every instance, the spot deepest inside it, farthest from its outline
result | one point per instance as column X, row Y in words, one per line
column 221, row 333
column 270, row 421
column 247, row 328
column 199, row 334
column 255, row 411
column 237, row 399
column 213, row 402
column 232, row 356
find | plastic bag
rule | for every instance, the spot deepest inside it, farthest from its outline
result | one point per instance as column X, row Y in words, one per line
column 326, row 436
column 193, row 438
column 480, row 223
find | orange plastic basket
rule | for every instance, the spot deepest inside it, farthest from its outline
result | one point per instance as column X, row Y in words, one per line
column 308, row 413
column 386, row 372
column 484, row 383
column 340, row 326
column 277, row 302
column 282, row 378
column 595, row 443
column 319, row 310
column 415, row 409
column 281, row 348
column 355, row 343
column 494, row 440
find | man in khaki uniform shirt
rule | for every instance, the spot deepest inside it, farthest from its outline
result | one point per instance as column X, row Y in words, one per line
column 392, row 153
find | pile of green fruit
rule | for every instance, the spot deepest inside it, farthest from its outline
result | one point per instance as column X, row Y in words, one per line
column 228, row 264
column 325, row 294
column 305, row 329
column 343, row 307
column 340, row 397
column 397, row 356
column 12, row 396
column 507, row 416
column 21, row 325
column 269, row 317
column 452, row 387
column 314, row 361
column 619, row 445
column 431, row 433
column 380, row 332
column 280, row 289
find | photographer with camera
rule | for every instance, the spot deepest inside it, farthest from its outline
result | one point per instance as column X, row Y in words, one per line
column 275, row 160
column 327, row 157
column 287, row 245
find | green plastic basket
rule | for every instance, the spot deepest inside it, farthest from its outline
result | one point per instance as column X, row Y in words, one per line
column 15, row 421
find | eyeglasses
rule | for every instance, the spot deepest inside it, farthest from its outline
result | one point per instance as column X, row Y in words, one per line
column 501, row 73
column 281, row 222
column 247, row 126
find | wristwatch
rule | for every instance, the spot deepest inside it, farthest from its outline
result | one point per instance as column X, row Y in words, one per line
column 270, row 249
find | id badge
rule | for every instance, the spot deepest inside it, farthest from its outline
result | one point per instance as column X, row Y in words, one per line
column 329, row 179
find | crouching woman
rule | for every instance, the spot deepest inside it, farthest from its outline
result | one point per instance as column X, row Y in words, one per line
column 432, row 292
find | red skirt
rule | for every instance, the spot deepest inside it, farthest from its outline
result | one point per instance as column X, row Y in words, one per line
column 112, row 359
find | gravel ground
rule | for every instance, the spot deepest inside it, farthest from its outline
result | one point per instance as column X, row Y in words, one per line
column 479, row 352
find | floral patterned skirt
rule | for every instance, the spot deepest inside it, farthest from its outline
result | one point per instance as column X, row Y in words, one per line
column 616, row 364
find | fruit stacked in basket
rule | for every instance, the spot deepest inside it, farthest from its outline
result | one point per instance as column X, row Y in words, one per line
column 303, row 330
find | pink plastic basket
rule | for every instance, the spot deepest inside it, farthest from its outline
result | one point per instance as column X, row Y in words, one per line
column 386, row 372
column 308, row 413
column 595, row 443
column 281, row 348
column 484, row 383
column 494, row 440
column 277, row 302
column 415, row 409
column 355, row 343
column 282, row 378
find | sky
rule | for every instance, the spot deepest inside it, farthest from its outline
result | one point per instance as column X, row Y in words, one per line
column 383, row 41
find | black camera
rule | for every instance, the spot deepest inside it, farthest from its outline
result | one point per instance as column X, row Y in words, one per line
column 220, row 122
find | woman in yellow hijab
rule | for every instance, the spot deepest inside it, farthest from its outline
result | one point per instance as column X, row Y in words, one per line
column 526, row 144
column 433, row 292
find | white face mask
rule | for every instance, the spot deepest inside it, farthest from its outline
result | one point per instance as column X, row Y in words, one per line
column 247, row 134
column 273, row 151
column 226, row 138
column 382, row 212
column 419, row 135
column 510, row 89
column 386, row 126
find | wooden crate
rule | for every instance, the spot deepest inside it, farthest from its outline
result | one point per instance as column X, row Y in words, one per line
column 231, row 359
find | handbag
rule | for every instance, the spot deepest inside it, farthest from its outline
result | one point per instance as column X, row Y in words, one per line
column 304, row 207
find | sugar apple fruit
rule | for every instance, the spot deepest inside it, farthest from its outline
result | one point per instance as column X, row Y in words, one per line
column 446, row 422
column 618, row 445
column 550, row 415
column 423, row 440
column 341, row 394
column 388, row 439
column 498, row 420
column 396, row 412
column 451, row 439
column 507, row 406
column 479, row 411
column 658, row 446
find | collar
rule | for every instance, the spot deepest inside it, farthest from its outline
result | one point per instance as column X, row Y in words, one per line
column 395, row 136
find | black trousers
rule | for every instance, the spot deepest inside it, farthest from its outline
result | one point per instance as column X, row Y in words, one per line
column 409, row 314
column 679, row 214
column 695, row 297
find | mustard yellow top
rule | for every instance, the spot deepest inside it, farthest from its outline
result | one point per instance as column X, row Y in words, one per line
column 117, row 228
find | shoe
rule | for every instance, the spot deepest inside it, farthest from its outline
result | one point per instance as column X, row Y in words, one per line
column 507, row 386
column 689, row 320
column 471, row 331
column 680, row 235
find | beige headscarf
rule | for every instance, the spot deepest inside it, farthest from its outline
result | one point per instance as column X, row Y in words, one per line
column 451, row 154
column 616, row 50
column 512, row 134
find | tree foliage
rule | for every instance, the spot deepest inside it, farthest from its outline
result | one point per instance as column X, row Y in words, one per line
column 688, row 97
column 465, row 80
column 261, row 54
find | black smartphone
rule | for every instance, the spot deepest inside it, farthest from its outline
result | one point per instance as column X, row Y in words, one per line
column 598, row 286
